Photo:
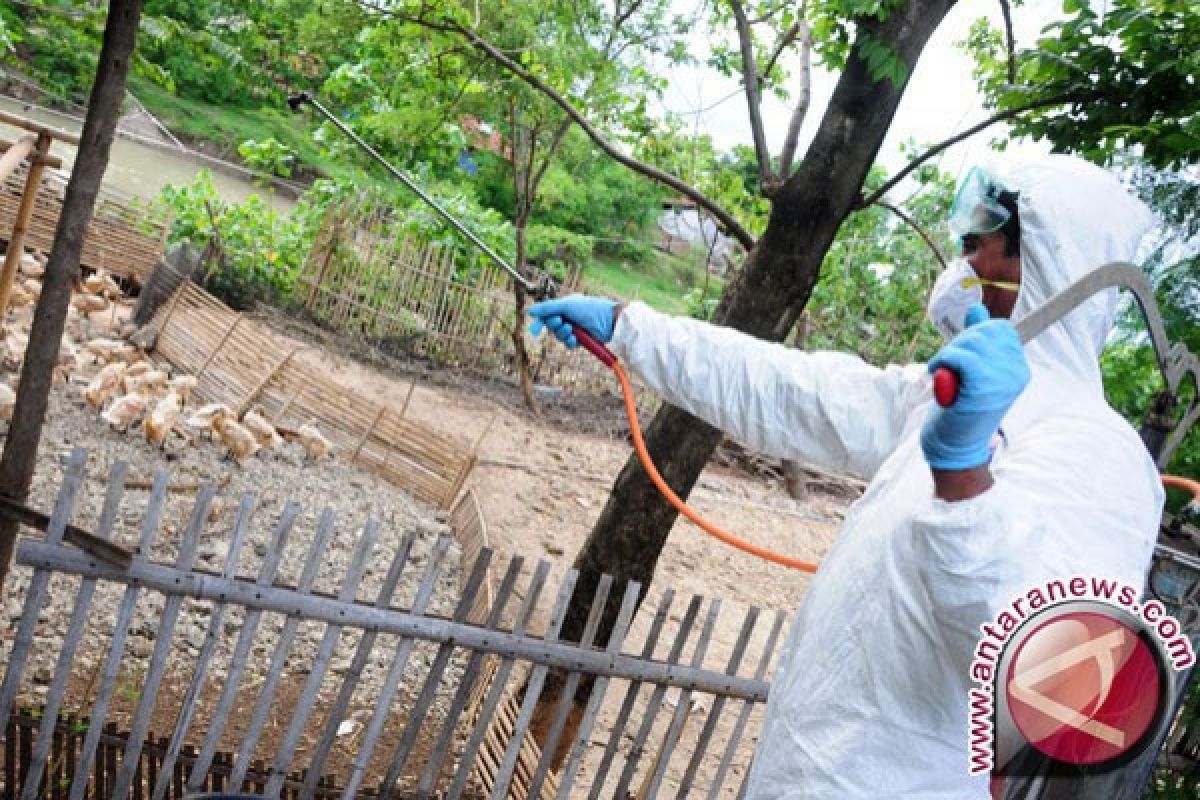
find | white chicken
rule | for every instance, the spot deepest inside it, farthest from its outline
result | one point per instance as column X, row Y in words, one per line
column 31, row 266
column 262, row 429
column 104, row 384
column 315, row 445
column 158, row 424
column 103, row 349
column 241, row 442
column 185, row 385
column 205, row 417
column 14, row 349
column 90, row 303
column 145, row 380
column 8, row 399
column 125, row 410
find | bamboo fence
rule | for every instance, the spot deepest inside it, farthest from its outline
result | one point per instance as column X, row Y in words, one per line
column 124, row 237
column 242, row 363
column 425, row 299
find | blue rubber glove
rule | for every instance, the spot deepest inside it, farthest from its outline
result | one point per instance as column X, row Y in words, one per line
column 593, row 314
column 992, row 373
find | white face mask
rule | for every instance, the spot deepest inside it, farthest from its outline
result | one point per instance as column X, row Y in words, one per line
column 955, row 291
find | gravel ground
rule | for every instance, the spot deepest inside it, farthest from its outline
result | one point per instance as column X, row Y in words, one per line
column 275, row 477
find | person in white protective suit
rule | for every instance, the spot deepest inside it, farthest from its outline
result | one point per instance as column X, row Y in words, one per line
column 1030, row 476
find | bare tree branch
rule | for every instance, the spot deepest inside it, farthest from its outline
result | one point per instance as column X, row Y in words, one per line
column 1054, row 100
column 912, row 223
column 1010, row 40
column 786, row 39
column 804, row 98
column 730, row 223
column 753, row 96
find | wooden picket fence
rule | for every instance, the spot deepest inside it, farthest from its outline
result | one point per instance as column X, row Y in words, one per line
column 70, row 734
column 364, row 279
column 443, row 736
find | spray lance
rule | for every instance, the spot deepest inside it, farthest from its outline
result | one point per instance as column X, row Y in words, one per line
column 945, row 381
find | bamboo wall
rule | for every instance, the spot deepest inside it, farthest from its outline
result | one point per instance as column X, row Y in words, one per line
column 124, row 237
column 413, row 298
column 240, row 362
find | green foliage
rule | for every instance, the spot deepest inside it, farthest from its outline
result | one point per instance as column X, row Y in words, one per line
column 555, row 250
column 260, row 251
column 269, row 155
column 701, row 302
column 1130, row 67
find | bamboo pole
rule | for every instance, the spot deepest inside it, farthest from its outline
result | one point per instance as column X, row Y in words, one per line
column 40, row 130
column 16, row 242
column 367, row 433
column 217, row 349
column 257, row 390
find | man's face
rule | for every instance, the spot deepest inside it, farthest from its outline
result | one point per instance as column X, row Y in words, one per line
column 985, row 253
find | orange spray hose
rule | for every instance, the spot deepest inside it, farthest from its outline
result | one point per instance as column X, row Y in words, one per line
column 639, row 445
column 1186, row 484
column 728, row 538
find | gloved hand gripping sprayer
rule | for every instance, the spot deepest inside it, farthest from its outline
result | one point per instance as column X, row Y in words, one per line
column 1175, row 363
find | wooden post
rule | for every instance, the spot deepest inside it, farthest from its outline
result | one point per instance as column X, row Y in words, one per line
column 367, row 433
column 330, row 244
column 257, row 390
column 19, row 457
column 16, row 242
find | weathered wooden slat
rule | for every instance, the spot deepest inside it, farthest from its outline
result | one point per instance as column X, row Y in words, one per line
column 735, row 737
column 162, row 645
column 533, row 688
column 639, row 742
column 362, row 653
column 395, row 671
column 566, row 696
column 631, row 693
column 616, row 640
column 241, row 649
column 441, row 745
column 112, row 662
column 546, row 653
column 35, row 596
column 683, row 707
column 499, row 682
column 441, row 659
column 215, row 625
column 316, row 675
column 714, row 714
column 266, row 693
column 74, row 632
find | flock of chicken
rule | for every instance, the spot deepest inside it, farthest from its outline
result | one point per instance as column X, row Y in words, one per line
column 121, row 382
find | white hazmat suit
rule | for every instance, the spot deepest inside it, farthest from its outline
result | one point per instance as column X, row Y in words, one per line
column 870, row 695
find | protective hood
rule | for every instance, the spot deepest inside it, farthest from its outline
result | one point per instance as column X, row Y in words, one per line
column 1075, row 218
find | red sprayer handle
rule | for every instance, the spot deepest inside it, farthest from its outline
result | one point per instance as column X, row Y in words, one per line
column 945, row 386
column 594, row 347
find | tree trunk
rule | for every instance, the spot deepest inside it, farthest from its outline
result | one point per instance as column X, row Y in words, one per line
column 25, row 430
column 764, row 300
column 520, row 354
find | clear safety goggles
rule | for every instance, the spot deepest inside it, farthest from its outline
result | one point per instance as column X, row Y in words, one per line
column 976, row 208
